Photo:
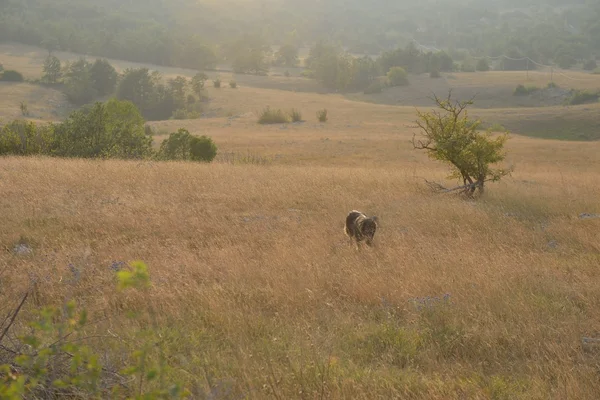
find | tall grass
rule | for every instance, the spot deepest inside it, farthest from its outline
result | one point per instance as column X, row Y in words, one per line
column 257, row 292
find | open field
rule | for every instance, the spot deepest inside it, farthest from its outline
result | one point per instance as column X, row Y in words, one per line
column 258, row 292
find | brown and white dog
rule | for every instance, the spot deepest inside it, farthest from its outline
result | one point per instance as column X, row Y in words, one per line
column 360, row 227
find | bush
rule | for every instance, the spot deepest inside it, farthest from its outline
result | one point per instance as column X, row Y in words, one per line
column 322, row 115
column 114, row 129
column 590, row 65
column 522, row 90
column 375, row 87
column 552, row 85
column 202, row 149
column 582, row 97
column 397, row 76
column 296, row 115
column 182, row 145
column 270, row 116
column 483, row 65
column 1, row 67
column 596, row 71
column 217, row 83
column 10, row 75
column 22, row 138
column 467, row 67
column 233, row 84
column 435, row 74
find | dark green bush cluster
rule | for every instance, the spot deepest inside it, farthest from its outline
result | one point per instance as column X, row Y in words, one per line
column 278, row 116
column 114, row 129
column 375, row 87
column 10, row 75
column 483, row 65
column 583, row 97
column 181, row 145
column 83, row 82
column 522, row 90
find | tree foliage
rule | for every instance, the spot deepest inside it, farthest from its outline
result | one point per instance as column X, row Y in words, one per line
column 52, row 69
column 287, row 55
column 449, row 136
column 114, row 129
column 104, row 77
column 397, row 76
column 79, row 86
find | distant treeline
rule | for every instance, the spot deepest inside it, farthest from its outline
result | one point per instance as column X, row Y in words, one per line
column 198, row 35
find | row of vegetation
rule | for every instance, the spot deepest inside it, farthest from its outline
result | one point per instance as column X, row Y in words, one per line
column 114, row 129
column 278, row 116
column 84, row 82
column 576, row 96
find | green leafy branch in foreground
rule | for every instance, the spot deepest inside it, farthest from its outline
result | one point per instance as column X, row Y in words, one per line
column 52, row 359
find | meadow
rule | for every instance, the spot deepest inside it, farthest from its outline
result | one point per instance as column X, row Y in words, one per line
column 256, row 292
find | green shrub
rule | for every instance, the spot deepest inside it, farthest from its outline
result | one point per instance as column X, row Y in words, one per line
column 24, row 138
column 435, row 74
column 375, row 87
column 397, row 76
column 233, row 84
column 114, row 129
column 483, row 65
column 54, row 359
column 467, row 67
column 582, row 97
column 217, row 83
column 522, row 90
column 182, row 145
column 296, row 115
column 270, row 116
column 10, row 75
column 322, row 115
column 202, row 149
column 1, row 67
column 552, row 85
column 590, row 65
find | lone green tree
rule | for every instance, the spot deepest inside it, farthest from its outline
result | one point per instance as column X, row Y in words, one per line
column 52, row 69
column 448, row 135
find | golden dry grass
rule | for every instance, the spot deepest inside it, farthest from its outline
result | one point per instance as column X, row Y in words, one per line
column 258, row 290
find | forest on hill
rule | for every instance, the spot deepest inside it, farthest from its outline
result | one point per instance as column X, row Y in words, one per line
column 201, row 33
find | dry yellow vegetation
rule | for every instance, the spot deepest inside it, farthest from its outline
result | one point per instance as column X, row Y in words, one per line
column 259, row 292
column 260, row 295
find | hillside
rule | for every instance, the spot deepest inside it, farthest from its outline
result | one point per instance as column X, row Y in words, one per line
column 166, row 32
column 255, row 286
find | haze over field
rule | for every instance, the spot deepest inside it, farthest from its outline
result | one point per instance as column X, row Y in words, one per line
column 175, row 178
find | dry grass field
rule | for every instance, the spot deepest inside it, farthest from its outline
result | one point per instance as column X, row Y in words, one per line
column 257, row 292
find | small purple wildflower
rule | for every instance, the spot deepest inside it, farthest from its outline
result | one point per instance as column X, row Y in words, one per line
column 76, row 273
column 117, row 266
